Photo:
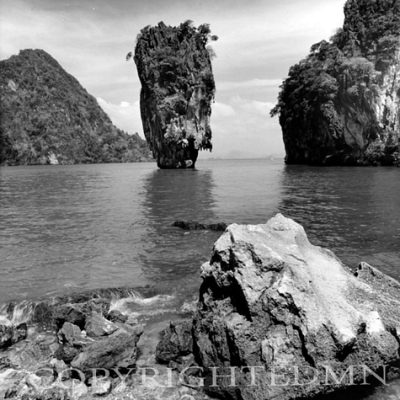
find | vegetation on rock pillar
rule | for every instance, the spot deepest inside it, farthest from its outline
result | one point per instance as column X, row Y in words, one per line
column 174, row 67
column 341, row 105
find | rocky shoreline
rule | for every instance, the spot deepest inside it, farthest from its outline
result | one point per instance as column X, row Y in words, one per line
column 276, row 318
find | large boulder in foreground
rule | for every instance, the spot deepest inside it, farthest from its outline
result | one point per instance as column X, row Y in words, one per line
column 174, row 68
column 273, row 301
column 341, row 104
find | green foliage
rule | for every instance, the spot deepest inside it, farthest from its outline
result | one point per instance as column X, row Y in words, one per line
column 180, row 51
column 341, row 76
column 178, row 87
column 45, row 112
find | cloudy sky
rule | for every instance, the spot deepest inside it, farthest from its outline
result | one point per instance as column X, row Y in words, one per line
column 258, row 41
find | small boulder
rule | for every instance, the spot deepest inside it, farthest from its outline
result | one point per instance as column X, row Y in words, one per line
column 72, row 313
column 117, row 316
column 43, row 315
column 96, row 325
column 100, row 386
column 116, row 350
column 59, row 366
column 10, row 334
column 6, row 334
column 72, row 335
column 19, row 333
column 176, row 342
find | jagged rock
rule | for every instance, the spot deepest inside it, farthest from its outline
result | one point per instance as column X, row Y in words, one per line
column 96, row 325
column 6, row 334
column 176, row 342
column 66, row 353
column 53, row 393
column 43, row 315
column 116, row 316
column 194, row 225
column 47, row 117
column 40, row 380
column 341, row 105
column 272, row 300
column 100, row 387
column 36, row 351
column 178, row 88
column 71, row 334
column 10, row 334
column 72, row 313
column 10, row 383
column 59, row 367
column 116, row 350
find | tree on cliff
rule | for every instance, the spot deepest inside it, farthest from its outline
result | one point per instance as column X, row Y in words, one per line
column 327, row 105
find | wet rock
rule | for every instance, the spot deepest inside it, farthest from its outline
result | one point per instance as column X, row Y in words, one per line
column 100, row 387
column 11, row 383
column 6, row 334
column 97, row 305
column 66, row 353
column 59, row 367
column 43, row 315
column 19, row 333
column 96, row 325
column 33, row 353
column 194, row 225
column 10, row 334
column 72, row 335
column 53, row 393
column 116, row 316
column 176, row 342
column 116, row 350
column 272, row 300
column 72, row 313
column 40, row 380
column 174, row 67
column 5, row 362
column 77, row 388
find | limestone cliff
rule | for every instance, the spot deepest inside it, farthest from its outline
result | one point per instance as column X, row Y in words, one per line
column 341, row 105
column 174, row 67
column 47, row 117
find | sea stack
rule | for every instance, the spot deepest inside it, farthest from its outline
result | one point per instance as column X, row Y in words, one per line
column 174, row 68
column 341, row 105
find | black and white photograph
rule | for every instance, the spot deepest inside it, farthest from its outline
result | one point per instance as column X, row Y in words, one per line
column 200, row 200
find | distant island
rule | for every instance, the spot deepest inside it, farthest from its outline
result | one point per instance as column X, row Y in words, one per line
column 47, row 117
column 341, row 105
column 174, row 67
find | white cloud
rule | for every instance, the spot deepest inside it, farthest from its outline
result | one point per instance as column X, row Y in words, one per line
column 221, row 110
column 252, row 106
column 253, row 83
column 124, row 115
column 245, row 129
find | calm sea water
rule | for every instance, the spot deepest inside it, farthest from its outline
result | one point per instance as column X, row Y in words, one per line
column 67, row 228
